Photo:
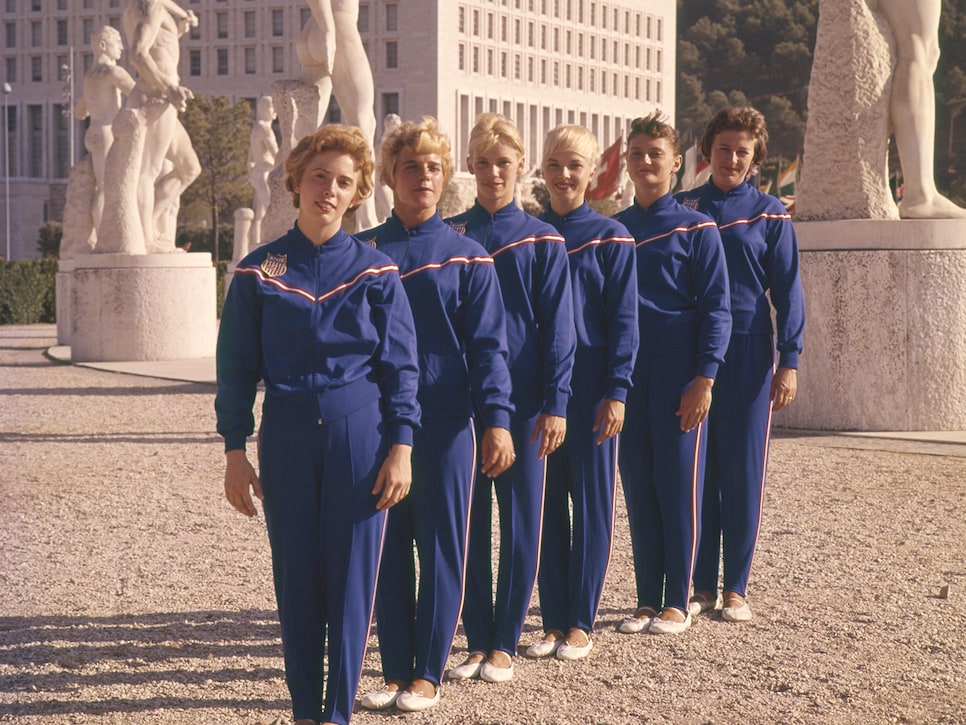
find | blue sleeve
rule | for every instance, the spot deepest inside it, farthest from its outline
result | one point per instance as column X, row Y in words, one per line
column 555, row 316
column 396, row 365
column 619, row 264
column 238, row 361
column 484, row 334
column 785, row 290
column 713, row 294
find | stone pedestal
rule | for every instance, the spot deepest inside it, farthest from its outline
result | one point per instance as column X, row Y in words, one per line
column 885, row 336
column 62, row 295
column 142, row 307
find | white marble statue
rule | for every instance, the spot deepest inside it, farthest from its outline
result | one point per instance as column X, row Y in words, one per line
column 105, row 86
column 915, row 26
column 872, row 77
column 262, row 156
column 334, row 60
column 151, row 161
column 381, row 193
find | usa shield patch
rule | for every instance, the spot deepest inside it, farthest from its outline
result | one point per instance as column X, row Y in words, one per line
column 458, row 227
column 691, row 202
column 275, row 265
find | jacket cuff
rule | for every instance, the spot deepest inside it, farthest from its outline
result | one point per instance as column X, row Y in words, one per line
column 235, row 441
column 400, row 433
column 616, row 391
column 707, row 370
column 498, row 418
column 556, row 404
column 788, row 359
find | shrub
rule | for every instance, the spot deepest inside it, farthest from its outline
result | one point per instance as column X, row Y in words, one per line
column 48, row 243
column 27, row 291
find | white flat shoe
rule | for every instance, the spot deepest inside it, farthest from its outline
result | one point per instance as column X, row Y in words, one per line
column 666, row 626
column 572, row 652
column 414, row 702
column 493, row 674
column 639, row 622
column 737, row 614
column 699, row 604
column 380, row 699
column 633, row 625
column 543, row 648
column 467, row 670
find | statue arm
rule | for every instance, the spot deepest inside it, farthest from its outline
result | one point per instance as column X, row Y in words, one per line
column 185, row 19
column 80, row 109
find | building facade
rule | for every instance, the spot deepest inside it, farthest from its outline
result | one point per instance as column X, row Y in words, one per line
column 539, row 62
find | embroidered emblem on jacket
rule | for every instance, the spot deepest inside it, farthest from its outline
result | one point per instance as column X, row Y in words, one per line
column 458, row 227
column 371, row 242
column 275, row 265
column 691, row 202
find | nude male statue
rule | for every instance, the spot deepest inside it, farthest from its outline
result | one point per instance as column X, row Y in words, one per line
column 262, row 155
column 153, row 29
column 105, row 85
column 333, row 58
column 915, row 25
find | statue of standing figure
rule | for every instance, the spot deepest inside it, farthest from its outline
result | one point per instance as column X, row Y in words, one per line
column 334, row 60
column 262, row 156
column 151, row 161
column 106, row 85
column 915, row 25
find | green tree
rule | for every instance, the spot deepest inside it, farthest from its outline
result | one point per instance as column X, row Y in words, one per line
column 219, row 133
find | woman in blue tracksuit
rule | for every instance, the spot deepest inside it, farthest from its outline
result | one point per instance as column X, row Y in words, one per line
column 583, row 472
column 685, row 322
column 323, row 320
column 461, row 339
column 762, row 253
column 531, row 263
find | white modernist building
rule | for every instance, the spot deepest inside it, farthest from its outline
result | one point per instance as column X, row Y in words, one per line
column 540, row 62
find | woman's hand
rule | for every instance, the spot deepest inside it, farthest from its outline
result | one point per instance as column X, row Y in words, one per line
column 498, row 453
column 610, row 419
column 784, row 386
column 395, row 476
column 239, row 478
column 552, row 428
column 695, row 402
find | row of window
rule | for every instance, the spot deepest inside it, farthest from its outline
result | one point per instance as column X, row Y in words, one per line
column 477, row 22
column 37, row 6
column 569, row 76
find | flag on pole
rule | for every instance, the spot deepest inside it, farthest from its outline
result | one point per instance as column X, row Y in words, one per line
column 690, row 168
column 604, row 183
column 702, row 173
column 786, row 182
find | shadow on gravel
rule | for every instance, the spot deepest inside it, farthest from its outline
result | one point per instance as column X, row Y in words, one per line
column 148, row 437
column 76, row 653
column 118, row 390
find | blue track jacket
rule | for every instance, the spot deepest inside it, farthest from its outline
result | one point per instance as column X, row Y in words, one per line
column 762, row 252
column 531, row 264
column 460, row 323
column 327, row 328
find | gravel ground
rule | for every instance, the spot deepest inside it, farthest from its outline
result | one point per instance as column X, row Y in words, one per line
column 132, row 593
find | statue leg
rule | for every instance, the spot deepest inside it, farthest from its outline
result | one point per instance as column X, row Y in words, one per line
column 915, row 26
column 185, row 168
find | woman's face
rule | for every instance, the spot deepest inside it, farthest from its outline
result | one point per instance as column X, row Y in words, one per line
column 567, row 175
column 419, row 181
column 496, row 172
column 651, row 162
column 329, row 186
column 732, row 155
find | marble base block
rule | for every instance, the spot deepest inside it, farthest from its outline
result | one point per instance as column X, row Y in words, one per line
column 885, row 337
column 142, row 307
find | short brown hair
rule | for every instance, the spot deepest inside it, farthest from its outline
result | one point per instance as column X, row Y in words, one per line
column 424, row 138
column 331, row 137
column 655, row 125
column 738, row 118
